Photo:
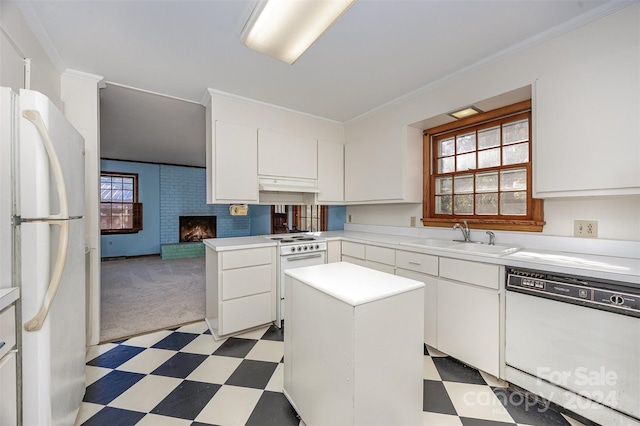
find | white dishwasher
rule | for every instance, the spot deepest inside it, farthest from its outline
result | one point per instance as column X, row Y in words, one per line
column 575, row 341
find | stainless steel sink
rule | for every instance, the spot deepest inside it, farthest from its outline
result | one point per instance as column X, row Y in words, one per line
column 462, row 247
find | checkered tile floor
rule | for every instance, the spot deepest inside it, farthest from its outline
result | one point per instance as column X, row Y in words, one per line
column 184, row 377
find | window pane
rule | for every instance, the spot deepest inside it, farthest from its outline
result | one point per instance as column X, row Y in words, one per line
column 127, row 216
column 445, row 165
column 515, row 132
column 466, row 143
column 489, row 158
column 445, row 147
column 105, row 216
column 487, row 182
column 463, row 204
column 127, row 196
column 466, row 162
column 515, row 154
column 513, row 203
column 443, row 204
column 513, row 180
column 105, row 194
column 463, row 184
column 489, row 138
column 116, row 182
column 487, row 203
column 444, row 185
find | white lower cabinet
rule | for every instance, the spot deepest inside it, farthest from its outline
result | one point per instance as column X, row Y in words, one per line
column 334, row 251
column 430, row 304
column 8, row 372
column 468, row 324
column 379, row 258
column 241, row 289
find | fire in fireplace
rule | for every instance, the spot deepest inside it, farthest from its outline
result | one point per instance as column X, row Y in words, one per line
column 197, row 228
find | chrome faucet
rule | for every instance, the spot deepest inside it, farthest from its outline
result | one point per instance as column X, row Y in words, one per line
column 492, row 238
column 466, row 233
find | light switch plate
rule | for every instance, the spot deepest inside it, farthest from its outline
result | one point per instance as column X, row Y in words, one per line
column 585, row 228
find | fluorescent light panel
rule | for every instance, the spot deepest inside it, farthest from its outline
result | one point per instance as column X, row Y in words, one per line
column 284, row 29
column 465, row 112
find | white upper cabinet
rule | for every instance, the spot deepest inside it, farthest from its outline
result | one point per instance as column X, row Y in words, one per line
column 284, row 155
column 330, row 172
column 587, row 136
column 379, row 168
column 232, row 164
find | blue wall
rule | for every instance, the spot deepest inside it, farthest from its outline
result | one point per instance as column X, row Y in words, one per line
column 168, row 192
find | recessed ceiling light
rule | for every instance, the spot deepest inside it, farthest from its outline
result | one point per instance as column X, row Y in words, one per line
column 284, row 29
column 465, row 112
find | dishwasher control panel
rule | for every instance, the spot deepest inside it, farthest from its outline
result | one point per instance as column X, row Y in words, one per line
column 610, row 296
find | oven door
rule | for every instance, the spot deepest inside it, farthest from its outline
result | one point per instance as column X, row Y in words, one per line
column 291, row 261
column 564, row 352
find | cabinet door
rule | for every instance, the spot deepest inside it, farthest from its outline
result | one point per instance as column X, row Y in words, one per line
column 468, row 324
column 8, row 390
column 245, row 312
column 372, row 171
column 330, row 172
column 334, row 251
column 430, row 304
column 236, row 163
column 284, row 155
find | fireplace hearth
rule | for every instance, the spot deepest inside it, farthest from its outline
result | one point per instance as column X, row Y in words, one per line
column 197, row 228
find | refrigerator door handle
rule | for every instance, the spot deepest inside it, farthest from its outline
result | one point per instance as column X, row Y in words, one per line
column 36, row 322
column 35, row 117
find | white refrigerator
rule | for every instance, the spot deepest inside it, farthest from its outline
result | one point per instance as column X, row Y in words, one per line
column 43, row 157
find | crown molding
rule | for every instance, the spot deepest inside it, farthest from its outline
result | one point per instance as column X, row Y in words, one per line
column 41, row 35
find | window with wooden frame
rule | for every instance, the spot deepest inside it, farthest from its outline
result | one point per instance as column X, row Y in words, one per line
column 479, row 169
column 310, row 218
column 120, row 212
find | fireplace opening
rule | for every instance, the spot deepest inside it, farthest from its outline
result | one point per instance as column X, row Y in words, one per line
column 197, row 228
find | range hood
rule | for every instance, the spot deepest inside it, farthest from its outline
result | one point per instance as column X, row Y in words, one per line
column 288, row 185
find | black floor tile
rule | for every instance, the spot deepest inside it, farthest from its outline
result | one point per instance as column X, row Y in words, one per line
column 115, row 357
column 110, row 386
column 527, row 410
column 436, row 399
column 187, row 400
column 175, row 341
column 452, row 370
column 274, row 333
column 236, row 347
column 180, row 365
column 468, row 421
column 114, row 416
column 252, row 374
column 273, row 409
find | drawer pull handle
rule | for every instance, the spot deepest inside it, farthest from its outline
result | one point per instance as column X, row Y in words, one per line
column 411, row 262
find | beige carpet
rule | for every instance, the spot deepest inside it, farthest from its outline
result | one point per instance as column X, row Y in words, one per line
column 147, row 293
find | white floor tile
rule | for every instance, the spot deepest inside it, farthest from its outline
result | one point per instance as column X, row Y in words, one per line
column 254, row 334
column 493, row 380
column 267, row 350
column 87, row 410
column 147, row 361
column 477, row 401
column 204, row 344
column 196, row 327
column 96, row 351
column 91, row 373
column 231, row 405
column 430, row 370
column 147, row 340
column 572, row 421
column 146, row 393
column 437, row 419
column 435, row 352
column 215, row 369
column 276, row 383
column 156, row 420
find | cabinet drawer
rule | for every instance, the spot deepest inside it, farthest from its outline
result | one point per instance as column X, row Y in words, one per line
column 353, row 249
column 354, row 260
column 247, row 257
column 246, row 281
column 8, row 390
column 418, row 262
column 7, row 329
column 246, row 312
column 381, row 255
column 481, row 274
column 380, row 267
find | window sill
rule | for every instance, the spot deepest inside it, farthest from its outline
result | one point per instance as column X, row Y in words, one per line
column 490, row 224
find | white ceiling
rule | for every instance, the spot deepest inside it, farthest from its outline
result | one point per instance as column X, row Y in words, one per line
column 378, row 51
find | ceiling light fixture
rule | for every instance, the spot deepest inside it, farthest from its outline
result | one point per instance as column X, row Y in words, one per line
column 465, row 112
column 284, row 29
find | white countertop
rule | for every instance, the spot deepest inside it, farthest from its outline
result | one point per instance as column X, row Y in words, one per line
column 237, row 243
column 8, row 296
column 353, row 284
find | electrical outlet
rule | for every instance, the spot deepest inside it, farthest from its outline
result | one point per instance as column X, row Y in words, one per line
column 585, row 228
column 413, row 221
column 349, row 219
